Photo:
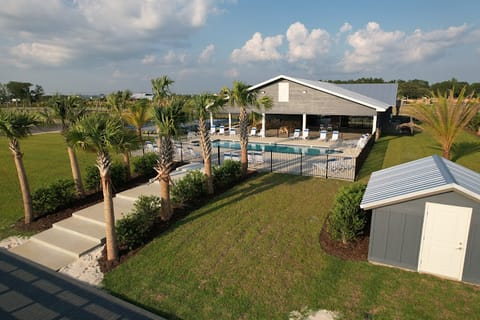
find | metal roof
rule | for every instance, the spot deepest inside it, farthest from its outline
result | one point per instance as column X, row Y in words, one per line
column 385, row 92
column 332, row 89
column 416, row 179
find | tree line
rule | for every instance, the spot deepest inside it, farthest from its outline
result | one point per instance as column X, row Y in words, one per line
column 416, row 88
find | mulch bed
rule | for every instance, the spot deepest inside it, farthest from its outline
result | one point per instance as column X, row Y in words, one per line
column 354, row 251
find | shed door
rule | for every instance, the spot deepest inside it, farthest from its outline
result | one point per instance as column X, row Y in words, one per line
column 444, row 240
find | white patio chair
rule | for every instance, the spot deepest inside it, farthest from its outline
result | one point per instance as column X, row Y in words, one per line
column 253, row 132
column 335, row 135
column 323, row 135
column 232, row 132
column 221, row 130
column 213, row 129
column 296, row 134
column 305, row 133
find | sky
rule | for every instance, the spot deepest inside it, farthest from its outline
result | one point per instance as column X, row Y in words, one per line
column 101, row 46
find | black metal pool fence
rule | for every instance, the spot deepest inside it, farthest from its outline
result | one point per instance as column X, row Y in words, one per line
column 325, row 165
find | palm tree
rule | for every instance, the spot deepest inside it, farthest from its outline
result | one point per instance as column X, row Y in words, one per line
column 167, row 119
column 138, row 115
column 240, row 96
column 161, row 89
column 127, row 142
column 15, row 126
column 100, row 133
column 201, row 105
column 69, row 109
column 118, row 101
column 447, row 117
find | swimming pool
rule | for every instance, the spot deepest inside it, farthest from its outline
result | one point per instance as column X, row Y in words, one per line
column 282, row 148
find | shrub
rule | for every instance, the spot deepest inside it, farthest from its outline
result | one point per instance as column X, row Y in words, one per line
column 145, row 164
column 190, row 189
column 58, row 195
column 118, row 174
column 347, row 220
column 134, row 229
column 227, row 174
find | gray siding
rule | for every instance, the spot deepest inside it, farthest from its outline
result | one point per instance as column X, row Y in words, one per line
column 396, row 230
column 312, row 102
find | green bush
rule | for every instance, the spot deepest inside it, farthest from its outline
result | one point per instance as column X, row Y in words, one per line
column 145, row 164
column 190, row 189
column 227, row 174
column 134, row 229
column 347, row 220
column 118, row 174
column 58, row 195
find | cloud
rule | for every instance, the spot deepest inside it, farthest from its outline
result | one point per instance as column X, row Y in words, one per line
column 206, row 54
column 258, row 49
column 232, row 73
column 41, row 53
column 171, row 57
column 303, row 45
column 97, row 31
column 149, row 59
column 374, row 48
column 346, row 27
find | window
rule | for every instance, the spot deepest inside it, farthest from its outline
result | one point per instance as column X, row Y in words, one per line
column 283, row 92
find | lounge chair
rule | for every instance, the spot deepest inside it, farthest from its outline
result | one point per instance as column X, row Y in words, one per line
column 335, row 135
column 221, row 130
column 362, row 141
column 213, row 129
column 261, row 133
column 296, row 134
column 253, row 132
column 232, row 132
column 305, row 133
column 323, row 135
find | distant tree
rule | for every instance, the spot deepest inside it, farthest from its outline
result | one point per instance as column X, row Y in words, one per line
column 137, row 115
column 19, row 90
column 15, row 126
column 360, row 80
column 3, row 93
column 413, row 89
column 474, row 89
column 447, row 117
column 118, row 101
column 445, row 87
column 37, row 93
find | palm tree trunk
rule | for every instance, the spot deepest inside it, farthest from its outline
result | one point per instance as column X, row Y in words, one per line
column 126, row 161
column 207, row 153
column 22, row 179
column 166, row 207
column 446, row 153
column 139, row 132
column 103, row 164
column 77, row 177
column 243, row 140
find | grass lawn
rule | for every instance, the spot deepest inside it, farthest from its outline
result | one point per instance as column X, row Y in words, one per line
column 254, row 253
column 45, row 159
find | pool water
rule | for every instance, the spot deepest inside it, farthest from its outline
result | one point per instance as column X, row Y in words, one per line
column 282, row 148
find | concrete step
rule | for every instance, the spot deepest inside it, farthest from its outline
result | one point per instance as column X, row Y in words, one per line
column 68, row 242
column 44, row 255
column 82, row 227
column 95, row 213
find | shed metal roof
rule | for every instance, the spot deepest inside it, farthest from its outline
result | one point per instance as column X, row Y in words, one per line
column 332, row 89
column 420, row 178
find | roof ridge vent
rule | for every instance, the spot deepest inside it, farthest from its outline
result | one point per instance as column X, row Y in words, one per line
column 442, row 167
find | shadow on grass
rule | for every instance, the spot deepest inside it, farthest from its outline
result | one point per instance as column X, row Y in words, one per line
column 249, row 187
column 376, row 157
column 463, row 149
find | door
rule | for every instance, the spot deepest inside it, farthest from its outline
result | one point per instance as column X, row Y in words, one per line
column 444, row 240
